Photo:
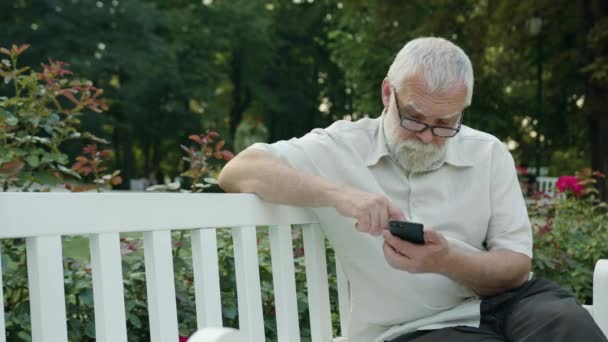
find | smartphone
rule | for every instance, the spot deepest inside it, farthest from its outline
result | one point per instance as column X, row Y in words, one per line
column 409, row 231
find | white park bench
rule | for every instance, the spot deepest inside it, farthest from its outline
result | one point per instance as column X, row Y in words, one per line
column 43, row 218
column 547, row 185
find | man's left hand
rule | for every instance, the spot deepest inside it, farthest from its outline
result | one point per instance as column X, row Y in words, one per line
column 430, row 257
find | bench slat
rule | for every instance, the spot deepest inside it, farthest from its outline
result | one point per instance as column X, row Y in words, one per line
column 316, row 280
column 600, row 294
column 206, row 278
column 160, row 286
column 283, row 278
column 2, row 325
column 343, row 296
column 249, row 294
column 108, row 292
column 47, row 298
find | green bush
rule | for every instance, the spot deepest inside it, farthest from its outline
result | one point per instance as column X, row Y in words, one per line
column 43, row 114
column 570, row 235
column 249, row 132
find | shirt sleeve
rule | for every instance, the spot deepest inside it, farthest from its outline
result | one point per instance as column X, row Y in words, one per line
column 310, row 153
column 509, row 226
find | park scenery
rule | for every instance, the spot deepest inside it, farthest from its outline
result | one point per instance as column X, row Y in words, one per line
column 158, row 95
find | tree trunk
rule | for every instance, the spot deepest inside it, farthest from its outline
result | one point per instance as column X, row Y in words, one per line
column 598, row 133
column 241, row 96
column 156, row 175
column 595, row 96
column 116, row 142
column 147, row 154
column 127, row 160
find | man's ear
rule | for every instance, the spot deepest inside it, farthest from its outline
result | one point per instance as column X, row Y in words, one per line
column 386, row 93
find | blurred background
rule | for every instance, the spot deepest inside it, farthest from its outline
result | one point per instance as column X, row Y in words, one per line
column 265, row 70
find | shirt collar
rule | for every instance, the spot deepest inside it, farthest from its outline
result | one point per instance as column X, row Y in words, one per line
column 379, row 140
column 454, row 155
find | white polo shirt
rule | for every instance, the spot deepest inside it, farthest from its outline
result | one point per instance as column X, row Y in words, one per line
column 472, row 197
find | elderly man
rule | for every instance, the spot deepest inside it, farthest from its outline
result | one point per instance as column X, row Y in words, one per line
column 470, row 280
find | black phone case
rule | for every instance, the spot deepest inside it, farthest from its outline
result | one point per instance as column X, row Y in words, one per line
column 409, row 231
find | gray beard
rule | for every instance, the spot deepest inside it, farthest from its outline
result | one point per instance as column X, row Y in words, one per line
column 412, row 155
column 415, row 156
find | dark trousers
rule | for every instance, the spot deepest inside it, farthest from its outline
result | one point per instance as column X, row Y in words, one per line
column 538, row 311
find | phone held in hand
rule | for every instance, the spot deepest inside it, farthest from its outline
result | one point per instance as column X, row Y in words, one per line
column 409, row 231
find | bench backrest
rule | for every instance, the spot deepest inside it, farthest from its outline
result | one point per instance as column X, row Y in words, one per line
column 547, row 185
column 43, row 218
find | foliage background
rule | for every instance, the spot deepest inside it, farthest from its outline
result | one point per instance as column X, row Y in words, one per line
column 171, row 68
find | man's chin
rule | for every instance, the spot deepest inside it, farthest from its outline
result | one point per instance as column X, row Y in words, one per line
column 418, row 160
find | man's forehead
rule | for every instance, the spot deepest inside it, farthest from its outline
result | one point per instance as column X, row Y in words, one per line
column 412, row 105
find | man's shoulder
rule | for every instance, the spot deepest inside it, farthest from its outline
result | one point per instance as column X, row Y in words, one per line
column 474, row 147
column 470, row 134
column 350, row 138
column 345, row 128
column 344, row 133
column 471, row 140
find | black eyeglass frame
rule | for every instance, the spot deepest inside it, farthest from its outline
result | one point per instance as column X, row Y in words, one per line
column 403, row 118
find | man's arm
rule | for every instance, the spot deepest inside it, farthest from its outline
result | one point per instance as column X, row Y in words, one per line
column 488, row 272
column 485, row 272
column 261, row 173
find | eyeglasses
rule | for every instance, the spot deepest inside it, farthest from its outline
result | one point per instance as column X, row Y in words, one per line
column 419, row 127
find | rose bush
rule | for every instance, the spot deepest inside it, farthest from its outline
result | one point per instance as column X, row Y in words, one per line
column 571, row 233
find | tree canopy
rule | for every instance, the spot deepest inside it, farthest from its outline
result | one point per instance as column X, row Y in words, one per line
column 173, row 68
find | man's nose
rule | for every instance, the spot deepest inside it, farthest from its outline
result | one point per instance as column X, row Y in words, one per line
column 426, row 136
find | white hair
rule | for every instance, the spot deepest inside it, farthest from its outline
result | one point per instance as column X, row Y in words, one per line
column 440, row 62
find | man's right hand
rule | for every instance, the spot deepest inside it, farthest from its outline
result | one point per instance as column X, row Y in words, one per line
column 372, row 211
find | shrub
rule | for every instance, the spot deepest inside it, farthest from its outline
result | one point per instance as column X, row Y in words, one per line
column 42, row 114
column 571, row 234
column 248, row 132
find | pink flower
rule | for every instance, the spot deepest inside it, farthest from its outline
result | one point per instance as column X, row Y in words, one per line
column 569, row 183
column 183, row 339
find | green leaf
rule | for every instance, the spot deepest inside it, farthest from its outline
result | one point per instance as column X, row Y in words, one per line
column 68, row 171
column 90, row 329
column 87, row 296
column 4, row 260
column 230, row 312
column 11, row 121
column 190, row 173
column 130, row 305
column 74, row 324
column 45, row 178
column 211, row 180
column 8, row 117
column 33, row 160
column 24, row 336
column 58, row 157
column 94, row 138
column 134, row 320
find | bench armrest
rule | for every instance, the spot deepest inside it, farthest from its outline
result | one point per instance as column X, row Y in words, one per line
column 600, row 294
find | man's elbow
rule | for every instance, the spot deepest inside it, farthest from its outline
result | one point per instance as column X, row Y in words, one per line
column 227, row 179
column 524, row 268
column 236, row 176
